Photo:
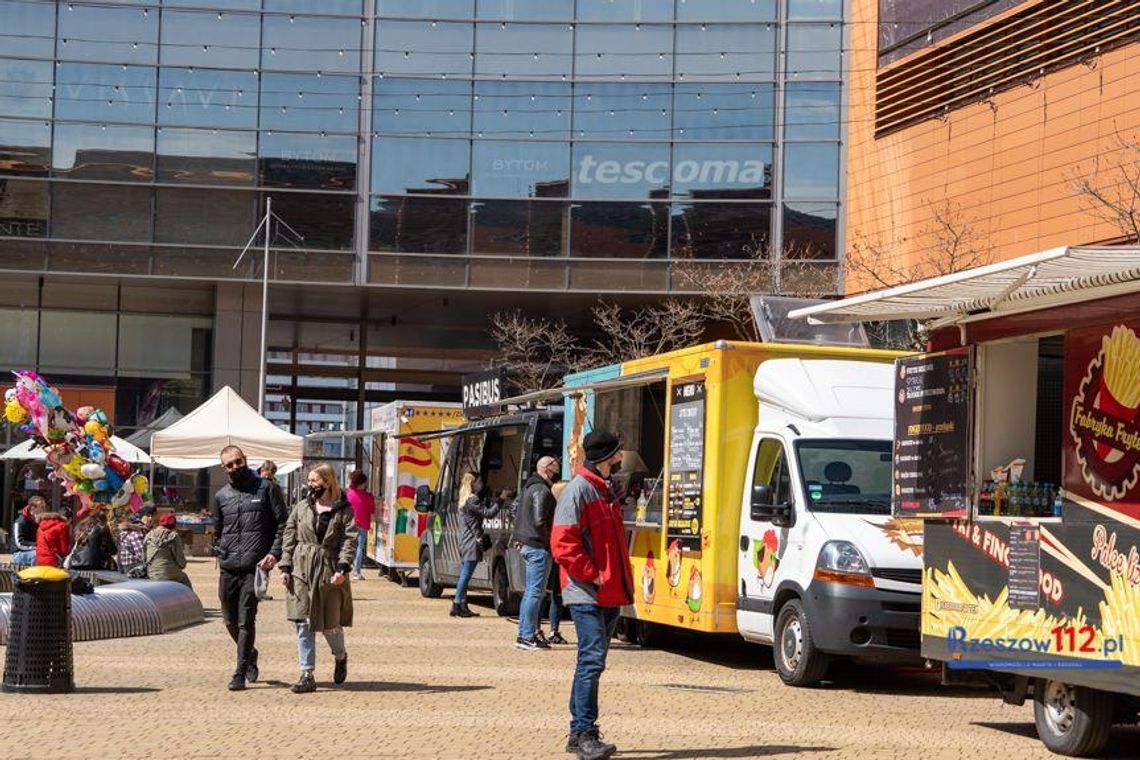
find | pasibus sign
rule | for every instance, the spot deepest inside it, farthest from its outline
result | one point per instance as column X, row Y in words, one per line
column 1102, row 401
column 482, row 393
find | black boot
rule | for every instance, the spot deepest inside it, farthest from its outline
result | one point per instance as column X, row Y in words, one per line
column 590, row 746
column 340, row 670
column 465, row 611
column 237, row 683
column 252, row 673
column 306, row 684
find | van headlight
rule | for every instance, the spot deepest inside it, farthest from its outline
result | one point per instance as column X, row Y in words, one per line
column 842, row 562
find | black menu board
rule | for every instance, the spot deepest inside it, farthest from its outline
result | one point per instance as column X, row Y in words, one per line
column 932, row 413
column 1024, row 567
column 686, row 464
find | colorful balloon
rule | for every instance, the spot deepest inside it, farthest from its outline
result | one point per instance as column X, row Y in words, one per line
column 119, row 465
column 92, row 471
column 141, row 484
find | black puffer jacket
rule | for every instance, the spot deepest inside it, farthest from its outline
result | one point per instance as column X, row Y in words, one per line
column 94, row 546
column 249, row 519
column 534, row 516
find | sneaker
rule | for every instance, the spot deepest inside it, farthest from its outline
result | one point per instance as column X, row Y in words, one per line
column 340, row 671
column 591, row 747
column 557, row 638
column 237, row 683
column 252, row 673
column 358, row 576
column 306, row 684
column 527, row 645
column 540, row 640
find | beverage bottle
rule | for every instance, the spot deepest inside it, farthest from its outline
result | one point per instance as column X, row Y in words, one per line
column 1058, row 502
column 1015, row 499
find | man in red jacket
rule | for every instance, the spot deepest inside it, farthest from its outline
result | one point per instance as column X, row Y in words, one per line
column 589, row 544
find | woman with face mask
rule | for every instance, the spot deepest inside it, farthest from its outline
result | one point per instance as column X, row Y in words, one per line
column 316, row 555
column 472, row 511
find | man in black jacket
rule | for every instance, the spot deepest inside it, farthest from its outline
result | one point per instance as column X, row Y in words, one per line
column 533, row 521
column 249, row 518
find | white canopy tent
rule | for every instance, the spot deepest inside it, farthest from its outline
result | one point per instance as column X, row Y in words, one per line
column 124, row 448
column 141, row 437
column 194, row 441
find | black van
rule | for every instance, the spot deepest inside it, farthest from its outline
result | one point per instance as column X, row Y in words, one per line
column 504, row 451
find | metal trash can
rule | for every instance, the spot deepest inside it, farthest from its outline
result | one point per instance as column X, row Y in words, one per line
column 39, row 657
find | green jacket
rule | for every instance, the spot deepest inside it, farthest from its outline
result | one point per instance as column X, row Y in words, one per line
column 312, row 564
column 164, row 555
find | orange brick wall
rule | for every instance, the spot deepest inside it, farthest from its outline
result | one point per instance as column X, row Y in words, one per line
column 1007, row 167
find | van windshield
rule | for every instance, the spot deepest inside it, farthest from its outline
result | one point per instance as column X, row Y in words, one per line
column 849, row 476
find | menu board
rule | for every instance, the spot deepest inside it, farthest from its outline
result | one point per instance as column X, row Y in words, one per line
column 1024, row 567
column 931, row 456
column 686, row 464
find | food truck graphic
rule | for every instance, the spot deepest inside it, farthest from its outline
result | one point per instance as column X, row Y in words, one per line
column 1028, row 482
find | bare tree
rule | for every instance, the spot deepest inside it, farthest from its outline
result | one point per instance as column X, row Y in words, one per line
column 536, row 352
column 645, row 331
column 1110, row 188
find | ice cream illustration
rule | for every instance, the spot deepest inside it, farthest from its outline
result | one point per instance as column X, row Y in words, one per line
column 693, row 597
column 673, row 563
column 765, row 558
column 648, row 579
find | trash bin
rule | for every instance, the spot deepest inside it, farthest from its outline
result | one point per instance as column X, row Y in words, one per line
column 39, row 658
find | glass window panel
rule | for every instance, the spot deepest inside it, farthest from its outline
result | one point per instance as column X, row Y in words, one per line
column 713, row 110
column 25, row 87
column 208, row 157
column 307, row 161
column 812, row 110
column 209, row 39
column 420, row 165
column 76, row 341
column 225, row 4
column 525, row 10
column 722, row 170
column 309, row 103
column 24, row 147
column 180, row 216
column 625, row 10
column 524, row 51
column 207, row 98
column 519, row 228
column 722, row 52
column 105, row 93
column 619, row 230
column 813, row 51
column 423, row 48
column 117, row 35
column 611, row 111
column 94, row 151
column 726, row 10
column 426, row 8
column 97, row 212
column 158, row 346
column 522, row 169
column 324, row 221
column 346, row 7
column 615, row 52
column 418, row 106
column 23, row 208
column 815, row 9
column 721, row 230
column 809, row 230
column 306, row 43
column 811, row 170
column 620, row 170
column 19, row 337
column 29, row 28
column 522, row 109
column 418, row 225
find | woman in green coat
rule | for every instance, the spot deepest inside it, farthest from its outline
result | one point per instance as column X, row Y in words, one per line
column 163, row 552
column 317, row 551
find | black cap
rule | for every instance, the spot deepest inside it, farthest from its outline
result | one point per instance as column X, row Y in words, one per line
column 146, row 509
column 600, row 445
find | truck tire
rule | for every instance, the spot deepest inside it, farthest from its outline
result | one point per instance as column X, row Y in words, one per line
column 428, row 587
column 1072, row 720
column 506, row 603
column 798, row 662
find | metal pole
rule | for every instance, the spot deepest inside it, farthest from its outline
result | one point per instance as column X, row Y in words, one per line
column 264, row 308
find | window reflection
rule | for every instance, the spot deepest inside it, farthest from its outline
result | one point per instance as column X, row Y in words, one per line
column 418, row 225
column 209, row 39
column 179, row 216
column 23, row 208
column 347, row 7
column 812, row 110
column 613, row 111
column 619, row 230
column 29, row 28
column 24, row 147
column 421, row 165
column 525, row 10
column 617, row 51
column 102, row 92
column 813, row 51
column 726, row 10
column 81, row 211
column 736, row 52
column 307, row 161
column 419, row 106
column 625, row 10
column 426, row 8
column 809, row 230
column 811, row 170
column 93, row 151
column 815, row 9
column 521, row 169
column 211, row 157
column 423, row 47
column 305, row 43
column 309, row 103
column 721, row 230
column 522, row 109
column 207, row 98
column 620, row 170
column 526, row 51
column 25, row 88
column 324, row 221
column 519, row 228
column 107, row 34
column 712, row 110
column 722, row 170
column 230, row 4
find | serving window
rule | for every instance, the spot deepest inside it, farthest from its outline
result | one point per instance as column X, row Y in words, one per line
column 637, row 415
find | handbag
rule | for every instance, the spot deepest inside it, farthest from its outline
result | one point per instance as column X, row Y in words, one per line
column 484, row 542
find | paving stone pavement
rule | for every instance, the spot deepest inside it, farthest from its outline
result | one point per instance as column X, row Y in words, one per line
column 423, row 685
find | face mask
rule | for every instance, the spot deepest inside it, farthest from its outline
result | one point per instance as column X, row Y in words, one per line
column 615, row 467
column 241, row 476
column 315, row 492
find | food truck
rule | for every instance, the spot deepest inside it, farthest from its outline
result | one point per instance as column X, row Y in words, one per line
column 402, row 460
column 1017, row 442
column 756, row 481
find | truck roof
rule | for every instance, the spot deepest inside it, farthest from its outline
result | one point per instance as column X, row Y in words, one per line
column 818, row 389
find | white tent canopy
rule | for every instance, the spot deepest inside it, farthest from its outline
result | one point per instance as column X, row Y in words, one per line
column 141, row 437
column 124, row 448
column 194, row 441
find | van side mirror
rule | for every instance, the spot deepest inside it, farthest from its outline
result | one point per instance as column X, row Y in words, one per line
column 425, row 499
column 762, row 508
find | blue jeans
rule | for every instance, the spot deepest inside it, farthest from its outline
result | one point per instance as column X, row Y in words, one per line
column 361, row 548
column 537, row 571
column 466, row 570
column 307, row 645
column 557, row 610
column 25, row 558
column 595, row 627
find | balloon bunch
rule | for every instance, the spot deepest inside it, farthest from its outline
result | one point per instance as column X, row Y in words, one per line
column 77, row 445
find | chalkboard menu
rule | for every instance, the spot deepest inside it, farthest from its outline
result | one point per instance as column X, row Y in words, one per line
column 686, row 463
column 932, row 413
column 1024, row 567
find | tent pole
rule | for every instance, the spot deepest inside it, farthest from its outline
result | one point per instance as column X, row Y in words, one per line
column 264, row 309
column 150, row 478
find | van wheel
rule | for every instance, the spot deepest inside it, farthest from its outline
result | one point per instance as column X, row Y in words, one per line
column 645, row 634
column 1072, row 720
column 506, row 603
column 428, row 587
column 798, row 662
